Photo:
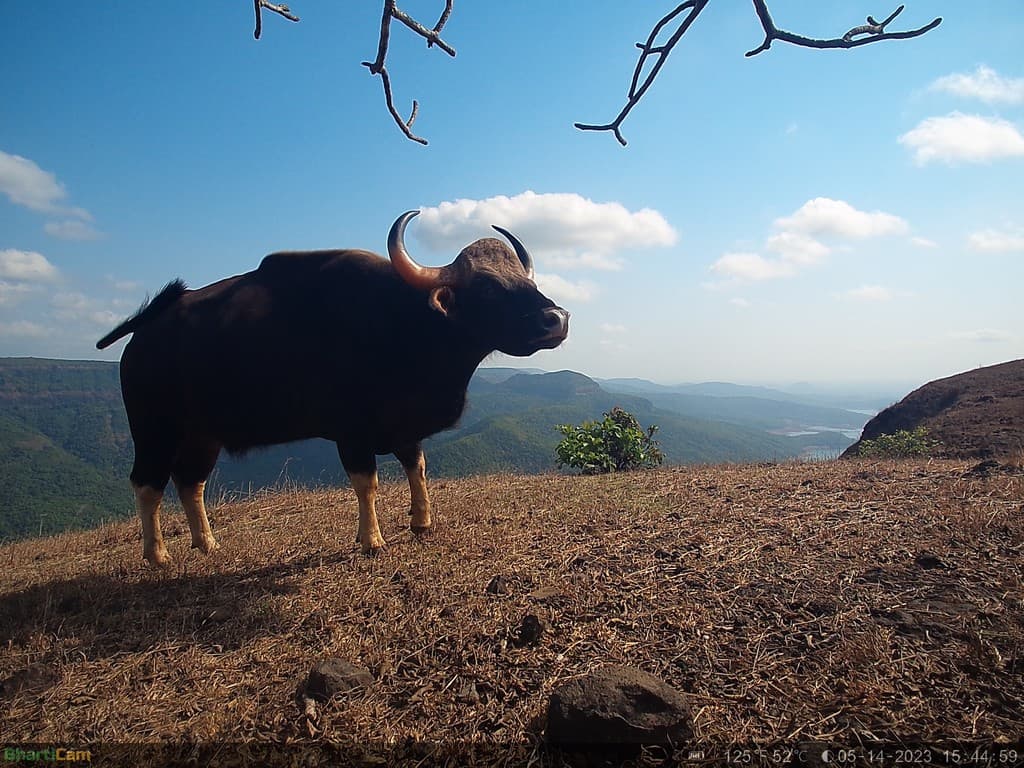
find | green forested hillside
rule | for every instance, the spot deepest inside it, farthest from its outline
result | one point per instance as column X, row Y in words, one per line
column 65, row 448
column 46, row 489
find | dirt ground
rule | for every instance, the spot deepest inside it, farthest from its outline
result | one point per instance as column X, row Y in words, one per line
column 844, row 603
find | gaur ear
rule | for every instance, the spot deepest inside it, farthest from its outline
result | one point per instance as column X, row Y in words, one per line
column 441, row 299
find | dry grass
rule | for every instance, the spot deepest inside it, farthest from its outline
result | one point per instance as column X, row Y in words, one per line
column 846, row 602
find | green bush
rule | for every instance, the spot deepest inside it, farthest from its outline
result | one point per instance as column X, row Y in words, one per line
column 615, row 444
column 901, row 444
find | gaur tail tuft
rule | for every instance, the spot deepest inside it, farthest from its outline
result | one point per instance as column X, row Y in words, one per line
column 149, row 309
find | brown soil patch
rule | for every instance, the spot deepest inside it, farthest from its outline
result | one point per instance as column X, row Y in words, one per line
column 844, row 602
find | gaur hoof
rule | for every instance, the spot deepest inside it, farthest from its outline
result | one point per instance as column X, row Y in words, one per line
column 158, row 558
column 206, row 546
column 374, row 547
column 421, row 530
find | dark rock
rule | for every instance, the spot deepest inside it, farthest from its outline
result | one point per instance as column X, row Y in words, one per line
column 531, row 628
column 498, row 585
column 927, row 561
column 617, row 706
column 333, row 676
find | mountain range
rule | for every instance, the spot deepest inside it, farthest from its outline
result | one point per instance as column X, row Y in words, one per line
column 65, row 448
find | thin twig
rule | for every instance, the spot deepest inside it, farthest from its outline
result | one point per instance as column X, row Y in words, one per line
column 649, row 49
column 873, row 30
column 280, row 10
column 379, row 67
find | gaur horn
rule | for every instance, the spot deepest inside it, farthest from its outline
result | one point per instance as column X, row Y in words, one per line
column 521, row 252
column 414, row 274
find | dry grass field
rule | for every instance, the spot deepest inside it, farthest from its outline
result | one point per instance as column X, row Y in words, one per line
column 844, row 602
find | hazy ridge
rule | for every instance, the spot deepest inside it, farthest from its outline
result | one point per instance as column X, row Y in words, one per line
column 65, row 449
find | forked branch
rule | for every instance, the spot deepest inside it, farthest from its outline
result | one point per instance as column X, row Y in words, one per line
column 280, row 10
column 379, row 67
column 872, row 32
column 638, row 89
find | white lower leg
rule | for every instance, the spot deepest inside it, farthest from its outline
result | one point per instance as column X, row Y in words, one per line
column 420, row 511
column 195, row 510
column 147, row 503
column 370, row 538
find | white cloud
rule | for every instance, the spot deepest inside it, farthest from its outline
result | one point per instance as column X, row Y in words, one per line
column 870, row 293
column 963, row 138
column 11, row 293
column 26, row 184
column 612, row 328
column 562, row 230
column 797, row 247
column 982, row 335
column 24, row 329
column 923, row 242
column 104, row 318
column 127, row 286
column 28, row 266
column 984, row 84
column 559, row 289
column 993, row 241
column 739, row 302
column 751, row 266
column 70, row 305
column 824, row 216
column 80, row 308
column 72, row 229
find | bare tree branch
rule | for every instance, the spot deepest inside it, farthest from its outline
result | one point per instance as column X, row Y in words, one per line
column 650, row 49
column 378, row 66
column 281, row 10
column 873, row 30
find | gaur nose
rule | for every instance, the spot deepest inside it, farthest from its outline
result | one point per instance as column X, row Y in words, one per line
column 556, row 321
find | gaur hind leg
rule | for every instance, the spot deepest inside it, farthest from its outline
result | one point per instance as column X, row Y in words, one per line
column 411, row 457
column 149, row 476
column 361, row 467
column 193, row 465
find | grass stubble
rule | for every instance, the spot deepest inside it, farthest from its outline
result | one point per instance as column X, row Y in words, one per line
column 841, row 602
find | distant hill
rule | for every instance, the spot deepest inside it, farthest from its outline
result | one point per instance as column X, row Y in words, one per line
column 975, row 414
column 64, row 445
column 65, row 448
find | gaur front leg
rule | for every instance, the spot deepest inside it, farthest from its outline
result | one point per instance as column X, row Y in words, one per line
column 362, row 471
column 415, row 466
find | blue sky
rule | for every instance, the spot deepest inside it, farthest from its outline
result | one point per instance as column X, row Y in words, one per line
column 796, row 216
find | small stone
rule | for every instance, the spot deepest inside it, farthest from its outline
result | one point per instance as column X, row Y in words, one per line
column 928, row 561
column 531, row 628
column 333, row 676
column 498, row 585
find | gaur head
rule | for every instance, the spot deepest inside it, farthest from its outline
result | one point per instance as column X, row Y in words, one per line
column 488, row 292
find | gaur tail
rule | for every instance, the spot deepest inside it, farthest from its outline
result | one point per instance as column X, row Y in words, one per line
column 149, row 309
